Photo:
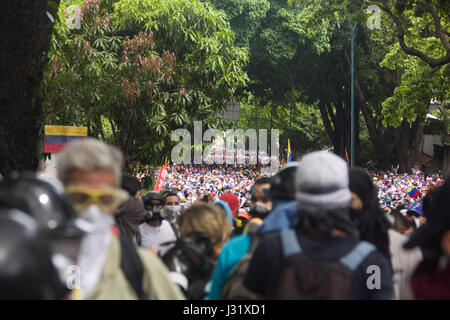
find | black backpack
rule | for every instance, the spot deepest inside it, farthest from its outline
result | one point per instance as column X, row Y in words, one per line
column 233, row 288
column 305, row 279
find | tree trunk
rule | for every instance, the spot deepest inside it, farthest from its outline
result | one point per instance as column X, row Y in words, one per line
column 336, row 126
column 26, row 30
column 408, row 139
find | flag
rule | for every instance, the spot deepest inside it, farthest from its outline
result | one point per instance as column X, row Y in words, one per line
column 289, row 152
column 346, row 155
column 413, row 193
column 56, row 137
column 161, row 178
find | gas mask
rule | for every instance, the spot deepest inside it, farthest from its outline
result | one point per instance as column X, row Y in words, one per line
column 154, row 214
column 172, row 212
column 259, row 210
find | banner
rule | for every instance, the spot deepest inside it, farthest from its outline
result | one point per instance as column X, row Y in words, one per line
column 161, row 178
column 56, row 137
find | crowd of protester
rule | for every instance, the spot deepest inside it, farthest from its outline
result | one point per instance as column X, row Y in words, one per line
column 315, row 230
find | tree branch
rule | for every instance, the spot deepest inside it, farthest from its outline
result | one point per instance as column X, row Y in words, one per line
column 412, row 51
column 437, row 25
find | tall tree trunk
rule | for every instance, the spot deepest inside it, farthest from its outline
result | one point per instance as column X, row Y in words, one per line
column 25, row 40
column 408, row 139
column 336, row 126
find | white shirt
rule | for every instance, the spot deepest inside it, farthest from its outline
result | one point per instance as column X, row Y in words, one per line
column 404, row 262
column 153, row 237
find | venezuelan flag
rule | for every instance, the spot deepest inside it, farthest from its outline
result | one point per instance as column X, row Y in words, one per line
column 413, row 193
column 56, row 137
column 289, row 152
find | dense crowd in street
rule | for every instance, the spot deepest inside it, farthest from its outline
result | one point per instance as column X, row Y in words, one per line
column 317, row 229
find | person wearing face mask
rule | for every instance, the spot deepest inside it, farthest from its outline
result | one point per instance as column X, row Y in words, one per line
column 172, row 208
column 260, row 202
column 278, row 191
column 156, row 231
column 322, row 257
column 112, row 267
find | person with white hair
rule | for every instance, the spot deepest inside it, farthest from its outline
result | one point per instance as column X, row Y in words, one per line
column 111, row 266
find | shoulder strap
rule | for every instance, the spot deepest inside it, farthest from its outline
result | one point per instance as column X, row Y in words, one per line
column 354, row 258
column 138, row 237
column 174, row 229
column 289, row 242
column 131, row 265
column 254, row 240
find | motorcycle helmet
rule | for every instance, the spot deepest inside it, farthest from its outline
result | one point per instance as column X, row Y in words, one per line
column 27, row 269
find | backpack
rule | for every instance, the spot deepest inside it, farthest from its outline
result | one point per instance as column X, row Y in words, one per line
column 233, row 288
column 306, row 279
column 131, row 265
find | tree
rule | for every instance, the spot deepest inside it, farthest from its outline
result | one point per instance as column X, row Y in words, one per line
column 26, row 30
column 377, row 80
column 308, row 133
column 245, row 17
column 431, row 23
column 155, row 66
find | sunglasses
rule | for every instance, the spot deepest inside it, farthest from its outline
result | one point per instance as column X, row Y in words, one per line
column 108, row 200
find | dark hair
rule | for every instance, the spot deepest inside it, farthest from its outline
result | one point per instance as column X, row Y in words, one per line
column 401, row 221
column 262, row 180
column 131, row 184
column 326, row 221
column 372, row 223
column 428, row 200
column 169, row 194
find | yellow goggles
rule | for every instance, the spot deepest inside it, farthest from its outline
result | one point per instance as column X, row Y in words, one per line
column 108, row 200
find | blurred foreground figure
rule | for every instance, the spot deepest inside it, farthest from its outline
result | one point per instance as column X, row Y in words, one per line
column 204, row 229
column 322, row 257
column 431, row 280
column 132, row 212
column 111, row 266
column 57, row 224
column 375, row 228
column 227, row 280
column 26, row 267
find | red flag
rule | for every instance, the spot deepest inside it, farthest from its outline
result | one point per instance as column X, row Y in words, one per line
column 161, row 178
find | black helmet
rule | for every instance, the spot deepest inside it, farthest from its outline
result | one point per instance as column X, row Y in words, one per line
column 40, row 199
column 153, row 196
column 282, row 185
column 27, row 270
column 51, row 209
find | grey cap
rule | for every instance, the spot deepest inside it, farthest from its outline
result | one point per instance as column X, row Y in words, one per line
column 322, row 182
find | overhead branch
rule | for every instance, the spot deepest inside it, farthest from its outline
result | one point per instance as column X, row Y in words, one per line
column 432, row 62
